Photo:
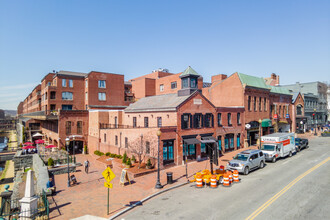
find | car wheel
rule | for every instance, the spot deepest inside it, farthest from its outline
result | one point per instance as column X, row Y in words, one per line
column 246, row 170
column 262, row 165
column 274, row 159
column 290, row 154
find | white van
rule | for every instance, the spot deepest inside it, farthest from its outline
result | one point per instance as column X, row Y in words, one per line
column 278, row 145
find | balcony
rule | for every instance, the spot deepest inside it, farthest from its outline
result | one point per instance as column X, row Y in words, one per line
column 42, row 115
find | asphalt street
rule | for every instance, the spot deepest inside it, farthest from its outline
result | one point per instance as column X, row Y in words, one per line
column 291, row 188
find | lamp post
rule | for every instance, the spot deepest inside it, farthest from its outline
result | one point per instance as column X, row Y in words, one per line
column 74, row 146
column 67, row 142
column 315, row 121
column 260, row 121
column 158, row 185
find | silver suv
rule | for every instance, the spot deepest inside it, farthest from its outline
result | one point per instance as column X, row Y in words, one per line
column 247, row 160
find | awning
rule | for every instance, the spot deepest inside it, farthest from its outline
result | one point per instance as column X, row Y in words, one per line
column 266, row 123
column 191, row 141
column 37, row 135
column 208, row 141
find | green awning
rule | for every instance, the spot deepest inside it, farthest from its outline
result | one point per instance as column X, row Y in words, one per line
column 266, row 123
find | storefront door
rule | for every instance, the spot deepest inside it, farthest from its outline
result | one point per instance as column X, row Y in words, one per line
column 191, row 152
column 168, row 152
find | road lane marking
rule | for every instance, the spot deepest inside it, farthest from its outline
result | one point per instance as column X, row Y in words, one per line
column 275, row 197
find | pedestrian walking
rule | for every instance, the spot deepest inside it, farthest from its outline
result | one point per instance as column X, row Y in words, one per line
column 86, row 166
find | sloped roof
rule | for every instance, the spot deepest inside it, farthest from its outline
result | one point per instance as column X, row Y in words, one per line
column 279, row 90
column 252, row 81
column 189, row 71
column 167, row 102
column 294, row 96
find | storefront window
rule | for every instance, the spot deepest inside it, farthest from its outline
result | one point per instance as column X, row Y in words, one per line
column 203, row 148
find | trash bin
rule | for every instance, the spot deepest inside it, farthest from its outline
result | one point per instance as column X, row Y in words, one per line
column 169, row 177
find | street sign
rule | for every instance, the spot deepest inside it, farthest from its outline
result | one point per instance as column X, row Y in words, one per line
column 287, row 116
column 108, row 185
column 108, row 174
column 275, row 116
column 124, row 177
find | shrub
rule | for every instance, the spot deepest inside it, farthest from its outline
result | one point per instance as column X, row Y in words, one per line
column 85, row 149
column 20, row 145
column 98, row 153
column 50, row 162
column 133, row 158
column 149, row 163
column 124, row 158
column 128, row 162
column 108, row 154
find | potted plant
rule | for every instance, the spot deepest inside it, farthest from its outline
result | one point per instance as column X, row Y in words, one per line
column 124, row 160
column 128, row 163
column 50, row 162
column 133, row 159
column 85, row 150
column 149, row 165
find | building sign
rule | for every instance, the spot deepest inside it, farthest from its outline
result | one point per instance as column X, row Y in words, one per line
column 287, row 116
column 275, row 116
column 197, row 101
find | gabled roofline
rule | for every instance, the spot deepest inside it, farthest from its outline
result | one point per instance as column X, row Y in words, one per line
column 193, row 95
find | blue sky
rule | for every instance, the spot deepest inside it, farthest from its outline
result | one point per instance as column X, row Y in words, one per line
column 289, row 38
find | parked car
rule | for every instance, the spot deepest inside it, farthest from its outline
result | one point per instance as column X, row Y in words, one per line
column 301, row 143
column 246, row 161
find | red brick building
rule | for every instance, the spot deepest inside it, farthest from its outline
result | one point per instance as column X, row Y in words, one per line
column 59, row 105
column 186, row 120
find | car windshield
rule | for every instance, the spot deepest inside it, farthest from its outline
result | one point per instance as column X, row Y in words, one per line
column 241, row 157
column 267, row 147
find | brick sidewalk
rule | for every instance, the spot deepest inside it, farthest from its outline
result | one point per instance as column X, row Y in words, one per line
column 90, row 196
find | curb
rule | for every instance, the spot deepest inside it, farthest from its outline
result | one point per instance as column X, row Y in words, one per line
column 145, row 199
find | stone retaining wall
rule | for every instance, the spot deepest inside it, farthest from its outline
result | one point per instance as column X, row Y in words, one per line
column 40, row 172
column 21, row 161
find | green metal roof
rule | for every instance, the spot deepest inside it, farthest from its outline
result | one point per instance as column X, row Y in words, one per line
column 252, row 81
column 280, row 90
column 189, row 71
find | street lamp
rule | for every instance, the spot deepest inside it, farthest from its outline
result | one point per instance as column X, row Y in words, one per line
column 158, row 185
column 67, row 142
column 260, row 121
column 74, row 146
column 314, row 117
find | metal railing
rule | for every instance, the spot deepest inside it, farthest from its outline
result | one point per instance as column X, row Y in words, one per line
column 11, row 209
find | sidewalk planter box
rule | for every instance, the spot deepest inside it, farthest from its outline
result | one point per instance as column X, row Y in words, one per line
column 325, row 134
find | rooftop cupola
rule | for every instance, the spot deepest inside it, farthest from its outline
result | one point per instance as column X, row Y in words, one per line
column 189, row 80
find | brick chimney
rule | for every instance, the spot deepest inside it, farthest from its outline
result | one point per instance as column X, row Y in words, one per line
column 276, row 79
column 218, row 77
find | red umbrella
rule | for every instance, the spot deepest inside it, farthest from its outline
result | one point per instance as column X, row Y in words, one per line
column 50, row 146
column 27, row 143
column 39, row 141
column 28, row 147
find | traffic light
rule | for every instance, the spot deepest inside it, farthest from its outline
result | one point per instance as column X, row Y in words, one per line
column 313, row 115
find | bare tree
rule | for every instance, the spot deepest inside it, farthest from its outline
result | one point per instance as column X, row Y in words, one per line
column 144, row 146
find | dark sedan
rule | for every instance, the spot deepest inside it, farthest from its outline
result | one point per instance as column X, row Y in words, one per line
column 301, row 143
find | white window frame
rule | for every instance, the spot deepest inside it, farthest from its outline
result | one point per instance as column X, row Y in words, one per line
column 100, row 85
column 63, row 82
column 102, row 96
column 161, row 87
column 70, row 83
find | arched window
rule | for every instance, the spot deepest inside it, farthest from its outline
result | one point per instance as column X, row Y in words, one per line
column 299, row 110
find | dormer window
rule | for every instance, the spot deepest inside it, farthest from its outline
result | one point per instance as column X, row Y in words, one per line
column 185, row 83
column 193, row 82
